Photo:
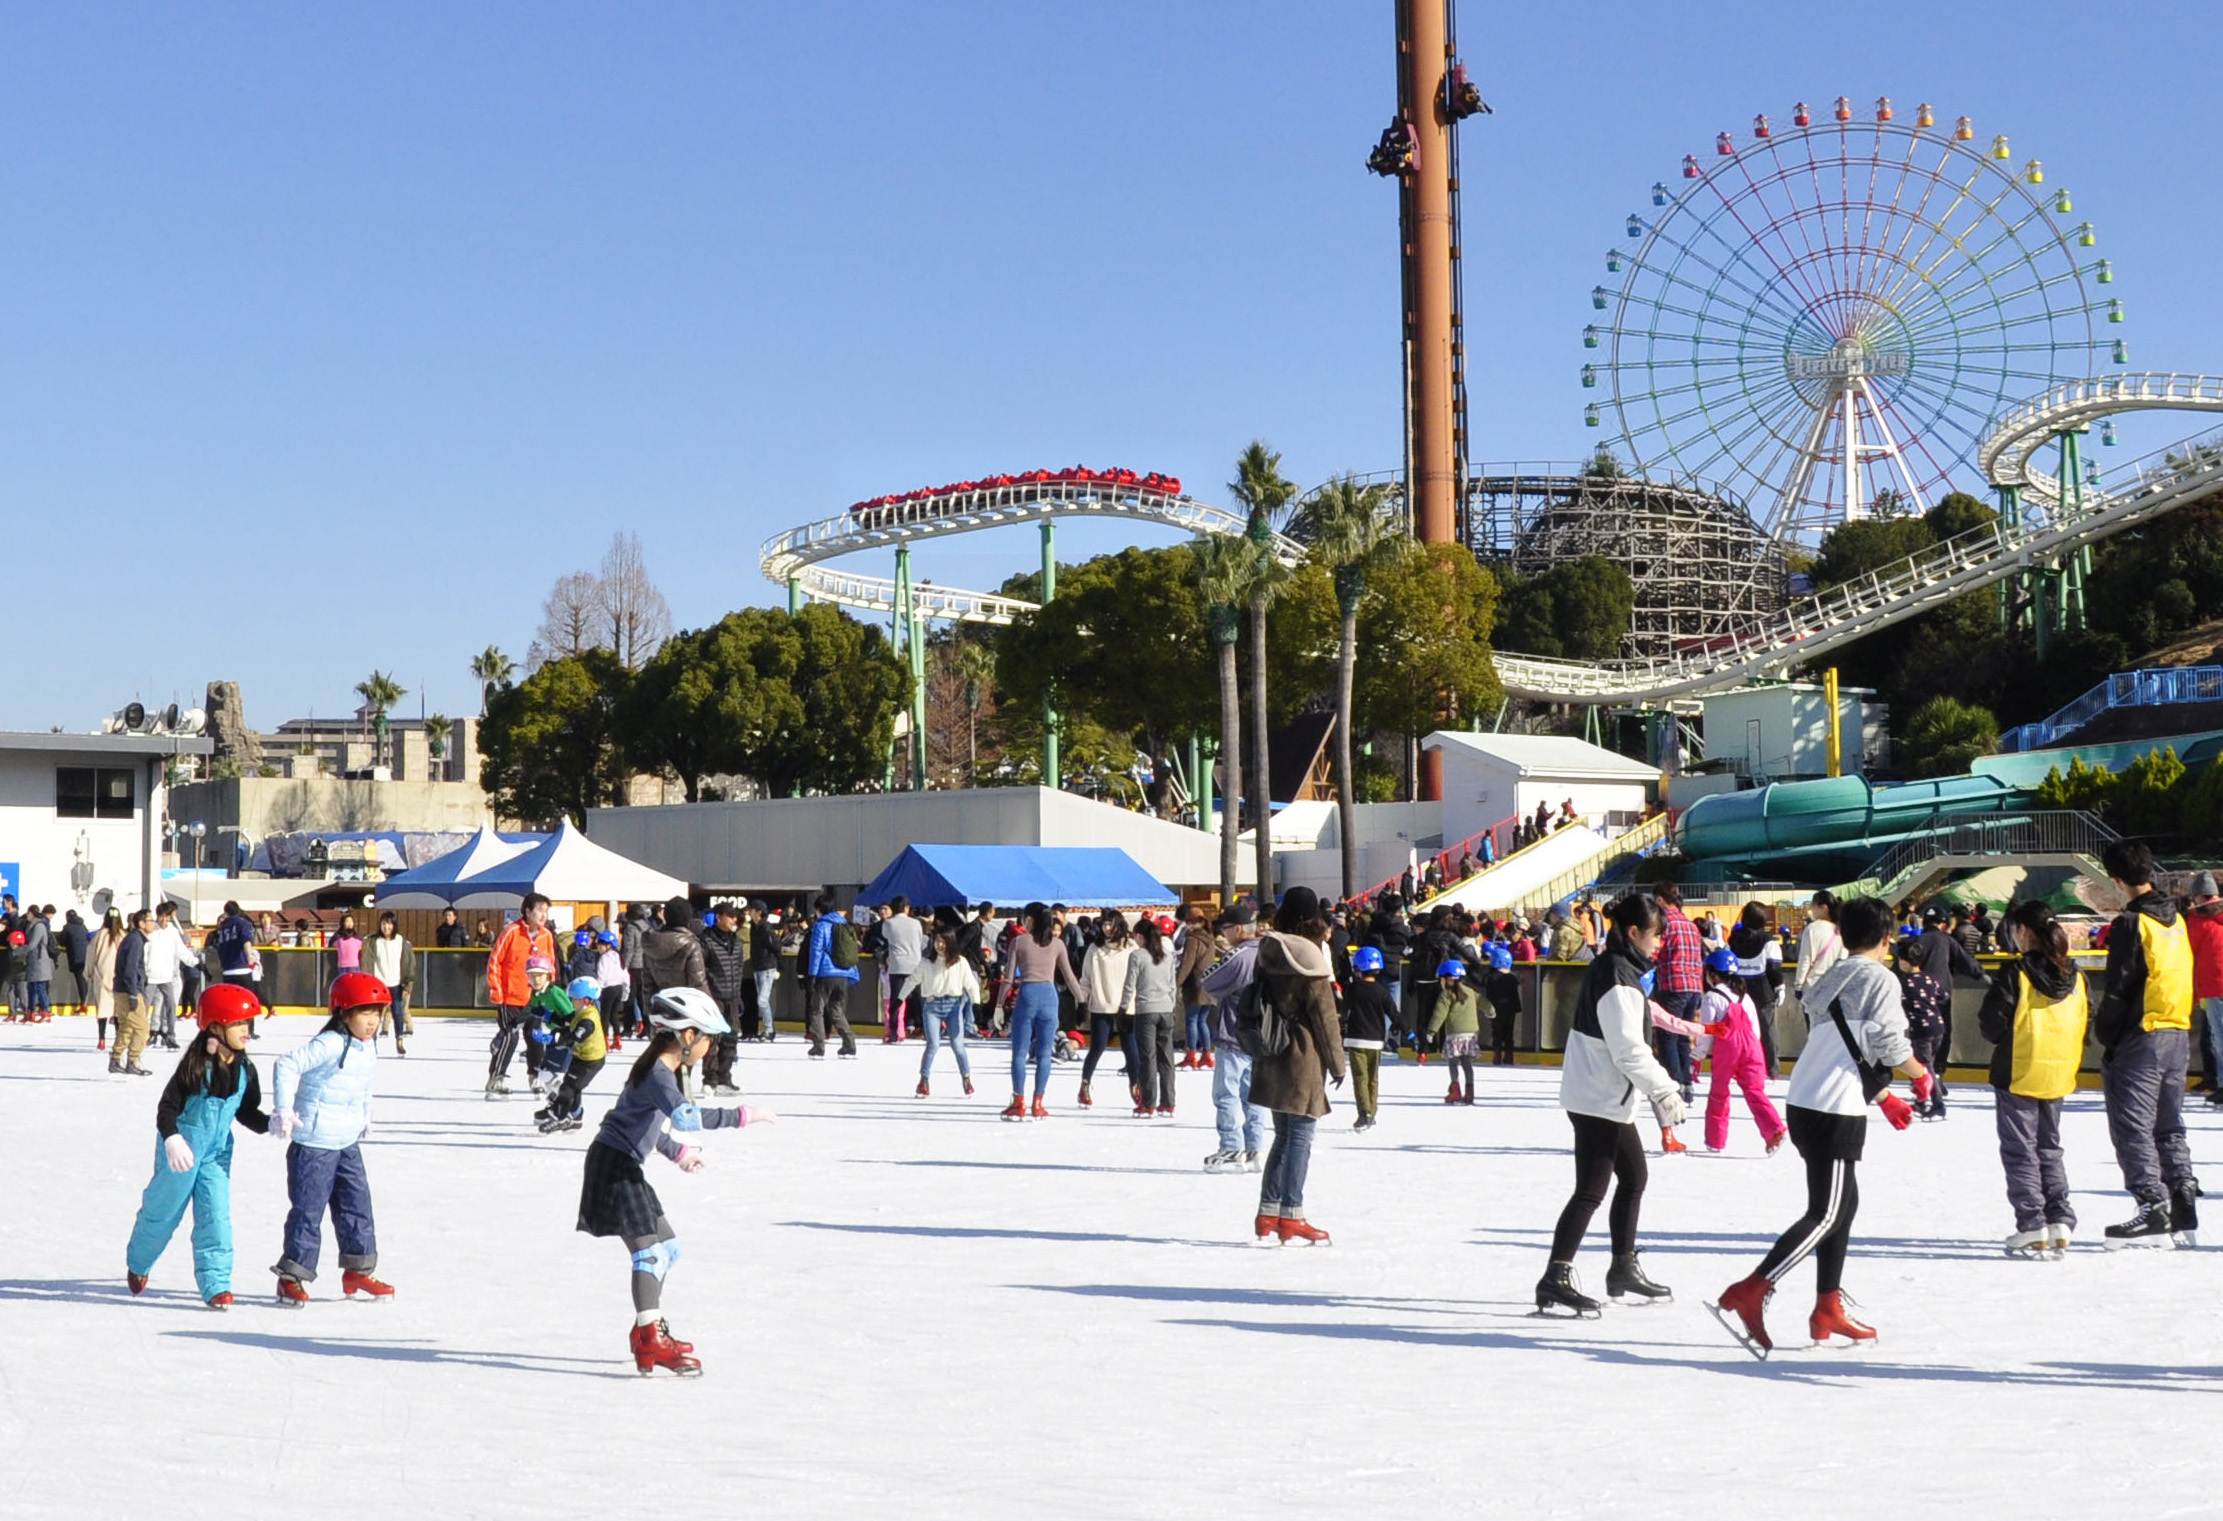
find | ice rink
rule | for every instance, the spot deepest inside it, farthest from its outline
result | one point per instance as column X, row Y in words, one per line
column 905, row 1306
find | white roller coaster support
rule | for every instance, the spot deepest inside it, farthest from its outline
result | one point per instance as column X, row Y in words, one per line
column 1815, row 625
column 797, row 553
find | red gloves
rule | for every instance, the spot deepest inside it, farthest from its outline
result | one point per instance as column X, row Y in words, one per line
column 1924, row 1085
column 1896, row 1111
column 1717, row 1029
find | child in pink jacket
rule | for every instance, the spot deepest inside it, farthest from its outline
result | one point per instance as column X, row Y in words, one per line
column 1737, row 1055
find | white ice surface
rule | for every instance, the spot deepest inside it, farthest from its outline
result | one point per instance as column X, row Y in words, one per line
column 906, row 1307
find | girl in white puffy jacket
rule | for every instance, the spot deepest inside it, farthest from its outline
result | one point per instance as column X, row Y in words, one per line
column 320, row 1101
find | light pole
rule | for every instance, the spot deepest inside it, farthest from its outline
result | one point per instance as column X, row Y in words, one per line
column 199, row 831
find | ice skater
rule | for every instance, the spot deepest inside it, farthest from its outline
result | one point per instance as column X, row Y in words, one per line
column 1458, row 1021
column 321, row 1093
column 214, row 1084
column 949, row 991
column 1732, row 1024
column 577, row 1049
column 2035, row 1017
column 1859, row 1038
column 1608, row 1070
column 650, row 1114
column 1369, row 1020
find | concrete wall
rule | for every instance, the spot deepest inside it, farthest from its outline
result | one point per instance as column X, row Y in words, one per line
column 45, row 846
column 280, row 805
column 1479, row 790
column 1793, row 734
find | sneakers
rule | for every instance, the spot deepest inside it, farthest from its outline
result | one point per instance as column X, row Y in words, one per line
column 1626, row 1279
column 292, row 1292
column 1742, row 1311
column 1301, row 1231
column 653, row 1348
column 1556, row 1294
column 353, row 1283
column 2184, row 1214
column 1040, row 1111
column 136, row 1282
column 1224, row 1161
column 1829, row 1319
column 221, row 1300
column 1015, row 1110
column 2150, row 1225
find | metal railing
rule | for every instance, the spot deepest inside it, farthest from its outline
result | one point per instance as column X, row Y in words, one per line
column 2164, row 686
column 2061, row 832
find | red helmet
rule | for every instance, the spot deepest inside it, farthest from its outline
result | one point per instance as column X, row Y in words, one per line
column 227, row 1003
column 359, row 990
column 16, row 938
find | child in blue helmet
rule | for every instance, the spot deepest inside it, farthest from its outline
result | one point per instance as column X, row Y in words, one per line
column 1458, row 1018
column 1503, row 990
column 1733, row 1040
column 582, row 958
column 1369, row 1020
column 576, row 1051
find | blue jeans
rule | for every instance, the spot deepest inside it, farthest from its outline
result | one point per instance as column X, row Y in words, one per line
column 1281, row 1189
column 317, row 1179
column 1200, row 1029
column 1675, row 1049
column 1242, row 1123
column 957, row 1012
column 40, row 992
column 765, row 982
column 1033, row 1026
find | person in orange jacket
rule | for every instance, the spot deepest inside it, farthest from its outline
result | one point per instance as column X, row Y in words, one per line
column 523, row 938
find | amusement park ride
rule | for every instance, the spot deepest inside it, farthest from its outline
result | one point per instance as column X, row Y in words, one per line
column 1828, row 320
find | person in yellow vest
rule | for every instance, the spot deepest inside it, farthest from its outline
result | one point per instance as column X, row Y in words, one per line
column 2035, row 1017
column 2144, row 1026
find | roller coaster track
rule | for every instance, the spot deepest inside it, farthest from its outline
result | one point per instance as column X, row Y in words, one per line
column 2045, row 530
column 797, row 554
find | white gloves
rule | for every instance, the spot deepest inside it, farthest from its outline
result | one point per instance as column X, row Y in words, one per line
column 1670, row 1108
column 179, row 1153
column 282, row 1124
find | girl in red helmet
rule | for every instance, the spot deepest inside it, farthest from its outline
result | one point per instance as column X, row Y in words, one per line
column 321, row 1092
column 214, row 1085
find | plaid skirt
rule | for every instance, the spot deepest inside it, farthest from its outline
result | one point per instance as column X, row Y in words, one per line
column 614, row 1199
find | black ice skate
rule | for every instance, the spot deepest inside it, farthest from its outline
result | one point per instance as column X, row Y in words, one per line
column 2184, row 1215
column 1626, row 1282
column 1556, row 1294
column 2149, row 1227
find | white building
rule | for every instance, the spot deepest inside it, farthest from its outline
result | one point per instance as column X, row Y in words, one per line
column 1780, row 732
column 81, row 817
column 803, row 844
column 1488, row 778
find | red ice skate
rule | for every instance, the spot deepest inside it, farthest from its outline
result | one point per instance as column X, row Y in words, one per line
column 1301, row 1230
column 1452, row 1096
column 1040, row 1111
column 221, row 1300
column 1206, row 1062
column 1829, row 1319
column 1268, row 1228
column 1669, row 1146
column 1016, row 1109
column 136, row 1282
column 654, row 1348
column 922, row 1089
column 292, row 1292
column 353, row 1283
column 1742, row 1313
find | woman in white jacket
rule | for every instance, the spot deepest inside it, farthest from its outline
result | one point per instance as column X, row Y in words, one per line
column 1104, row 981
column 949, row 991
column 1607, row 1075
column 1828, row 1118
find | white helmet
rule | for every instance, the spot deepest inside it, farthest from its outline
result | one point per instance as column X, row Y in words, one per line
column 687, row 1009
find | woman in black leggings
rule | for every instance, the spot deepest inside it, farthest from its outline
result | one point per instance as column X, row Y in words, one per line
column 1608, row 1072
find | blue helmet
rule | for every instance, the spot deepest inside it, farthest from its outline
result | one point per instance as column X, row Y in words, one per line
column 1368, row 959
column 1723, row 961
column 1501, row 956
column 584, row 937
column 584, row 987
column 710, row 921
column 1452, row 967
column 606, row 938
column 1648, row 980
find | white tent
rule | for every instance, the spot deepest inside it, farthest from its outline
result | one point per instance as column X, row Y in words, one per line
column 433, row 885
column 570, row 868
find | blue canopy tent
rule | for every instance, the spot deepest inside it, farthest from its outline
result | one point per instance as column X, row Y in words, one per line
column 431, row 885
column 935, row 876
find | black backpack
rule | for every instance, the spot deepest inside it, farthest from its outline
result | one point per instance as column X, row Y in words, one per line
column 1260, row 1027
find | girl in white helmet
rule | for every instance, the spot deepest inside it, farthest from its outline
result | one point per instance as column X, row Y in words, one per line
column 651, row 1114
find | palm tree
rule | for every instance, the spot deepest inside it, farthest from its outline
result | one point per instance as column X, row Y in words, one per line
column 379, row 692
column 1223, row 576
column 1262, row 491
column 493, row 669
column 437, row 729
column 1351, row 535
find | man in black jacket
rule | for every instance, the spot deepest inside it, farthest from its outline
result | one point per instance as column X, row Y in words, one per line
column 725, row 963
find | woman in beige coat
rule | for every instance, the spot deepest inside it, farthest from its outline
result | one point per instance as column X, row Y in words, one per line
column 100, row 973
column 1293, row 959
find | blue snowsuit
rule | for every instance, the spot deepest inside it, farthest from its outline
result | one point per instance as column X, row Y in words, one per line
column 204, row 1118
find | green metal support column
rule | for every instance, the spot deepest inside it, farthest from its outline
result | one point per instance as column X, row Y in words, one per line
column 1200, row 784
column 794, row 595
column 1052, row 774
column 912, row 632
column 1590, row 729
column 2069, row 608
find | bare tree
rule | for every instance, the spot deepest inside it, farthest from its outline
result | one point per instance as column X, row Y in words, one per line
column 633, row 609
column 571, row 620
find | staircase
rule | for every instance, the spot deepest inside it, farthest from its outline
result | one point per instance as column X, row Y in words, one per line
column 1917, row 865
column 2161, row 687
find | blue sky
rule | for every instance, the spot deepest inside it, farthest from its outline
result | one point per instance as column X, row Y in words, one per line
column 330, row 336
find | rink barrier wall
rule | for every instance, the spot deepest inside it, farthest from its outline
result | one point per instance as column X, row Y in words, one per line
column 452, row 984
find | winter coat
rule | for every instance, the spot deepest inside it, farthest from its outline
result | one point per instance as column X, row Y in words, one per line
column 1104, row 977
column 2204, row 926
column 1826, row 1079
column 38, row 952
column 725, row 963
column 1760, row 964
column 821, row 953
column 1368, row 1016
column 1200, row 952
column 1820, row 947
column 131, row 963
column 518, row 942
column 1295, row 1082
column 942, row 979
column 903, row 939
column 393, row 962
column 1608, row 1067
column 2006, row 1014
column 2149, row 972
column 100, row 972
column 764, row 946
column 326, row 1082
column 672, row 958
column 1458, row 1012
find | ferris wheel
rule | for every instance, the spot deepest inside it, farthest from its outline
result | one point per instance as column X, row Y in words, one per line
column 1837, row 308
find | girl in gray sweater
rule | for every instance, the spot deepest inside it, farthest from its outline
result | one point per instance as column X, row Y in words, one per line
column 1153, row 995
